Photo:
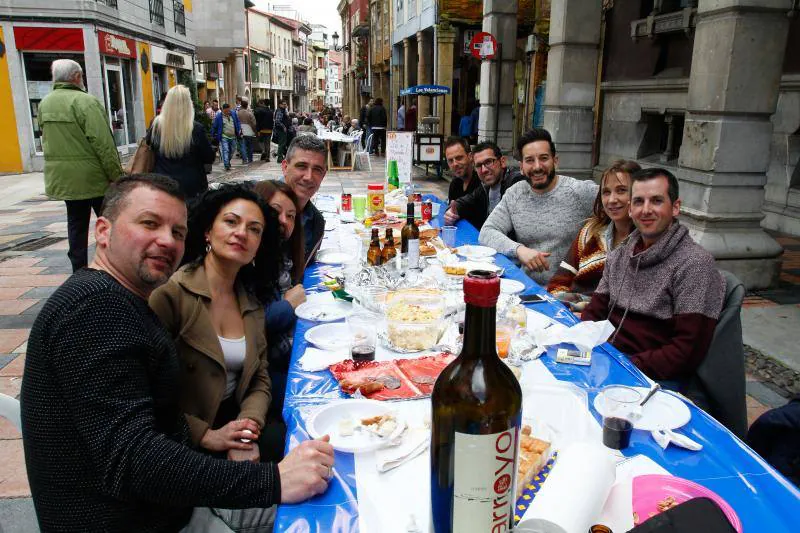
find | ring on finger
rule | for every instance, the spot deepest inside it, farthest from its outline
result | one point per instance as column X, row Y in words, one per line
column 330, row 473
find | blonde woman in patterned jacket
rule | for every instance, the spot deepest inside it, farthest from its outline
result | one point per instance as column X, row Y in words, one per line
column 580, row 271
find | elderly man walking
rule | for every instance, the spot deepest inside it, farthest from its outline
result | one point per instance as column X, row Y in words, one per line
column 80, row 157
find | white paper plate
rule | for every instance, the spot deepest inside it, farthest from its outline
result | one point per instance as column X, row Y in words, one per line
column 662, row 411
column 332, row 257
column 511, row 286
column 324, row 312
column 474, row 251
column 331, row 337
column 482, row 265
column 326, row 422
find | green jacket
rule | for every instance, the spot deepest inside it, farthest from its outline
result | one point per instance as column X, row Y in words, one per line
column 80, row 158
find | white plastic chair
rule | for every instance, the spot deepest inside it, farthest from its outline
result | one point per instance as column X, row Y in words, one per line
column 351, row 150
column 364, row 154
column 9, row 409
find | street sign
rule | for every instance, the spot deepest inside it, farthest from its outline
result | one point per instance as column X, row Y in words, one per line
column 483, row 45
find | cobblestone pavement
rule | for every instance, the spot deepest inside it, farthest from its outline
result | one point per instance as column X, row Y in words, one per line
column 33, row 263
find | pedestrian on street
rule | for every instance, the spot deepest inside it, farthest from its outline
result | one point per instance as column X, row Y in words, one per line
column 363, row 119
column 248, row 122
column 411, row 117
column 181, row 147
column 401, row 117
column 226, row 131
column 80, row 157
column 264, row 122
column 378, row 121
column 282, row 129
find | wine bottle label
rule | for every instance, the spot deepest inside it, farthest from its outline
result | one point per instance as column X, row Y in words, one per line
column 413, row 253
column 484, row 472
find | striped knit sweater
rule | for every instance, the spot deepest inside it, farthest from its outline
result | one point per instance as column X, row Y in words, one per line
column 582, row 268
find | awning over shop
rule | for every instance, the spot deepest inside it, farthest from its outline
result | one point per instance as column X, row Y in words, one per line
column 425, row 90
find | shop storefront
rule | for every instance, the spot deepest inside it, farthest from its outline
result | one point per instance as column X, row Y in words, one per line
column 119, row 83
column 166, row 64
column 39, row 47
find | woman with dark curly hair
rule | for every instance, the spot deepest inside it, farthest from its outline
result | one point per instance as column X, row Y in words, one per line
column 279, row 310
column 213, row 307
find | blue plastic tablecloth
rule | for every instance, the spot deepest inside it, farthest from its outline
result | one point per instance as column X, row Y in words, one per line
column 764, row 500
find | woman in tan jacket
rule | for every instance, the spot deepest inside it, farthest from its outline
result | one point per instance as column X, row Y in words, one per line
column 213, row 306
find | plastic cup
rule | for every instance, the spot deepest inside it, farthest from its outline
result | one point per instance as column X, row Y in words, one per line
column 620, row 408
column 359, row 206
column 449, row 236
column 363, row 336
column 504, row 330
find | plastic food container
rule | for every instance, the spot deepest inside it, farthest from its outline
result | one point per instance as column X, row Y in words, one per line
column 414, row 318
column 375, row 196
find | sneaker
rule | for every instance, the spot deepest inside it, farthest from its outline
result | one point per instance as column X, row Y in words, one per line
column 227, row 168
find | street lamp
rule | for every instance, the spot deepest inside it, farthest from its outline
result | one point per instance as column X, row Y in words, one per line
column 345, row 47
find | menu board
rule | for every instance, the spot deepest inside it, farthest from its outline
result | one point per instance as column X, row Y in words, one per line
column 400, row 147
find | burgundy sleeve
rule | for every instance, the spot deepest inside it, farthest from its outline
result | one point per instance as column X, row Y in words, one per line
column 691, row 338
column 597, row 308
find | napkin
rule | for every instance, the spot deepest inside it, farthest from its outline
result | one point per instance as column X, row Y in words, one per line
column 317, row 298
column 666, row 437
column 314, row 359
column 413, row 442
column 584, row 335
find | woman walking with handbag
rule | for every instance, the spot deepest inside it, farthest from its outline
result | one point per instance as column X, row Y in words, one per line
column 180, row 144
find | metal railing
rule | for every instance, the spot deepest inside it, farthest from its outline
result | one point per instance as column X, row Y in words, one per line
column 109, row 3
column 179, row 13
column 157, row 12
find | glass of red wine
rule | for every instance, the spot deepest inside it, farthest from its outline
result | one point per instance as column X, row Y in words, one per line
column 620, row 405
column 363, row 336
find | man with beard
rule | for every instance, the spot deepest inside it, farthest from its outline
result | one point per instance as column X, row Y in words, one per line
column 495, row 179
column 459, row 160
column 106, row 442
column 543, row 214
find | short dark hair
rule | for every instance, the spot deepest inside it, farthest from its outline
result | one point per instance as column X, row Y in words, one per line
column 648, row 174
column 215, row 100
column 116, row 197
column 311, row 143
column 259, row 278
column 226, row 105
column 488, row 145
column 454, row 140
column 308, row 122
column 244, row 104
column 379, row 101
column 533, row 135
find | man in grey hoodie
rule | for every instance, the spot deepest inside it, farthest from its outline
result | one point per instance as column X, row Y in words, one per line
column 661, row 290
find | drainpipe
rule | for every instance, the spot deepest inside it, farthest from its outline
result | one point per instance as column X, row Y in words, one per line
column 435, row 110
column 598, row 97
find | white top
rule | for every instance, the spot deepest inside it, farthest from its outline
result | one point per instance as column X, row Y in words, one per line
column 234, row 351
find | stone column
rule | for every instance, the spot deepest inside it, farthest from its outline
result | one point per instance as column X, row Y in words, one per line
column 409, row 63
column 395, row 80
column 496, row 122
column 571, row 82
column 737, row 60
column 424, row 55
column 239, row 74
column 445, row 41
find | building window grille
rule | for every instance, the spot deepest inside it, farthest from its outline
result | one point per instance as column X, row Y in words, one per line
column 180, row 16
column 109, row 3
column 157, row 12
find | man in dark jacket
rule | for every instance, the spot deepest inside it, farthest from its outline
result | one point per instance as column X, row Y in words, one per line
column 282, row 128
column 304, row 169
column 378, row 120
column 264, row 123
column 107, row 446
column 495, row 178
column 363, row 119
column 459, row 160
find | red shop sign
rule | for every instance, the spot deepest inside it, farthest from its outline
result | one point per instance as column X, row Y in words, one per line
column 41, row 38
column 114, row 45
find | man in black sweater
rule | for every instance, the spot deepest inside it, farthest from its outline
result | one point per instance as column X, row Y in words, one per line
column 106, row 443
column 378, row 120
column 264, row 124
column 496, row 178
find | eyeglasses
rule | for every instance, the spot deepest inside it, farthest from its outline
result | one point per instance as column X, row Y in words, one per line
column 488, row 163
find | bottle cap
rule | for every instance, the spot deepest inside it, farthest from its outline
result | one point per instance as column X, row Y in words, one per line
column 481, row 288
column 375, row 186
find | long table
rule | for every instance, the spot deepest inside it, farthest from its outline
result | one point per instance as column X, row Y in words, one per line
column 763, row 499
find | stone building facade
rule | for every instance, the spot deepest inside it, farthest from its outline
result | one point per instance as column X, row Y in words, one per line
column 707, row 88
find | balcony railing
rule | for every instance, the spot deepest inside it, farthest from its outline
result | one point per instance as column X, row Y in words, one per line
column 180, row 16
column 157, row 12
column 109, row 3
